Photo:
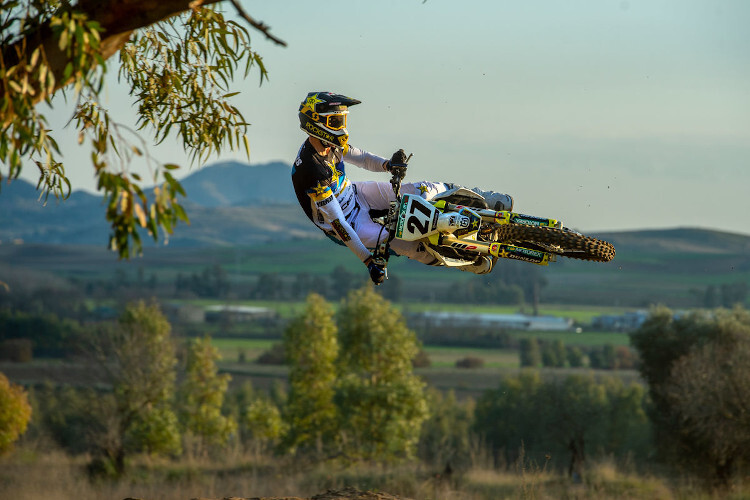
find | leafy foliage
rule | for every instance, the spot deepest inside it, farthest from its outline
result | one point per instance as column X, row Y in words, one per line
column 179, row 72
column 529, row 352
column 311, row 350
column 27, row 77
column 140, row 360
column 382, row 402
column 15, row 413
column 446, row 434
column 708, row 391
column 570, row 417
column 202, row 396
column 698, row 380
column 51, row 335
column 264, row 421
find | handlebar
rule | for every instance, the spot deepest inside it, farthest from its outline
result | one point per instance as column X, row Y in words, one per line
column 398, row 172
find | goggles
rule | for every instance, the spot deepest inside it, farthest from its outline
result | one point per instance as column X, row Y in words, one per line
column 335, row 120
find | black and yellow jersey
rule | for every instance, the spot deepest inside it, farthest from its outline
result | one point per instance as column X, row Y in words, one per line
column 327, row 195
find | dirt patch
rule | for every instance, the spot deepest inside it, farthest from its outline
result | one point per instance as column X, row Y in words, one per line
column 345, row 494
column 354, row 494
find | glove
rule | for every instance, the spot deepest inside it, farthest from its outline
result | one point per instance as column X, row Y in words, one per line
column 397, row 163
column 377, row 272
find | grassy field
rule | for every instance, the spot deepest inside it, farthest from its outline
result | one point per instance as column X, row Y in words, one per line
column 442, row 372
column 230, row 349
column 673, row 267
column 35, row 470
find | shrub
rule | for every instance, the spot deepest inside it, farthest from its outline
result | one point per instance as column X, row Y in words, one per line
column 421, row 360
column 470, row 362
column 16, row 350
column 273, row 356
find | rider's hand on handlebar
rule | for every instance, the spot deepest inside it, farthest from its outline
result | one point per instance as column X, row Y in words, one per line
column 397, row 163
column 377, row 271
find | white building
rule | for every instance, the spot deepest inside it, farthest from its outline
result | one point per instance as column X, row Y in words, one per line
column 504, row 321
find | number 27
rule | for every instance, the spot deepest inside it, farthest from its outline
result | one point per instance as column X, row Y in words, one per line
column 415, row 223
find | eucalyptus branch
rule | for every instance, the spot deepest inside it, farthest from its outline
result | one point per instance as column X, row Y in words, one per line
column 257, row 24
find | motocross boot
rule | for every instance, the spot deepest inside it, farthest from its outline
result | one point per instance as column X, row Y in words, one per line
column 482, row 265
column 464, row 196
column 496, row 201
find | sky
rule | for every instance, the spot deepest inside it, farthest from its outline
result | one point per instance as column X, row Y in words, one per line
column 609, row 115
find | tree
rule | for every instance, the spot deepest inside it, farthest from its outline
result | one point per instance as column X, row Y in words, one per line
column 177, row 56
column 709, row 392
column 733, row 294
column 381, row 401
column 303, row 284
column 202, row 396
column 530, row 354
column 270, row 286
column 446, row 434
column 508, row 417
column 563, row 418
column 553, row 354
column 311, row 350
column 138, row 357
column 343, row 281
column 15, row 413
column 575, row 357
column 698, row 381
column 264, row 421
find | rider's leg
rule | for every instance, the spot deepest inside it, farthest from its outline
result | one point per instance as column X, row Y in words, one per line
column 373, row 234
column 379, row 194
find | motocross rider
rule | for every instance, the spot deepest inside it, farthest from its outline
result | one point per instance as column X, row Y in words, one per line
column 340, row 207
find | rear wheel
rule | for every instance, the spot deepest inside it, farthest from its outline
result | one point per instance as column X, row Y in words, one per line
column 559, row 241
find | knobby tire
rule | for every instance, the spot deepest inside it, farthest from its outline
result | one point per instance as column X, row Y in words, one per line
column 561, row 242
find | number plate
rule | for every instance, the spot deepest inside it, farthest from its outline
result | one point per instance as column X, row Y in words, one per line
column 417, row 218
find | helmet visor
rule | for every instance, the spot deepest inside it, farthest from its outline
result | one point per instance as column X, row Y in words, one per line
column 334, row 121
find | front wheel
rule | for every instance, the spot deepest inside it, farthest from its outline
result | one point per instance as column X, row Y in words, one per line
column 558, row 241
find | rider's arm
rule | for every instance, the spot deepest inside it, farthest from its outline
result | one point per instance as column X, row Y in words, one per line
column 328, row 206
column 365, row 159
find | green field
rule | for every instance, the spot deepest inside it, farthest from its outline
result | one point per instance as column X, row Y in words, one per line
column 444, row 357
column 582, row 314
column 442, row 372
column 230, row 349
column 672, row 267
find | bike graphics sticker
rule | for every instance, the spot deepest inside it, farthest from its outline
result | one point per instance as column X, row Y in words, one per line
column 415, row 218
column 339, row 227
column 530, row 220
column 519, row 253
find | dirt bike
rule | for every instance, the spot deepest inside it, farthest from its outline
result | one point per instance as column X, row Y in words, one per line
column 457, row 226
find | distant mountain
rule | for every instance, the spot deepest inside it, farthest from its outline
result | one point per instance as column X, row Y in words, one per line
column 230, row 184
column 228, row 203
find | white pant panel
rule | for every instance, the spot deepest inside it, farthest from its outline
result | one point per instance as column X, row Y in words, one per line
column 378, row 196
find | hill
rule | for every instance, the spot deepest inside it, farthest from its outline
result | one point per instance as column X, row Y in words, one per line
column 228, row 203
column 671, row 266
column 246, row 219
column 229, row 184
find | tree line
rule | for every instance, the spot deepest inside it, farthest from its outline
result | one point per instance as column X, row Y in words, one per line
column 352, row 395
